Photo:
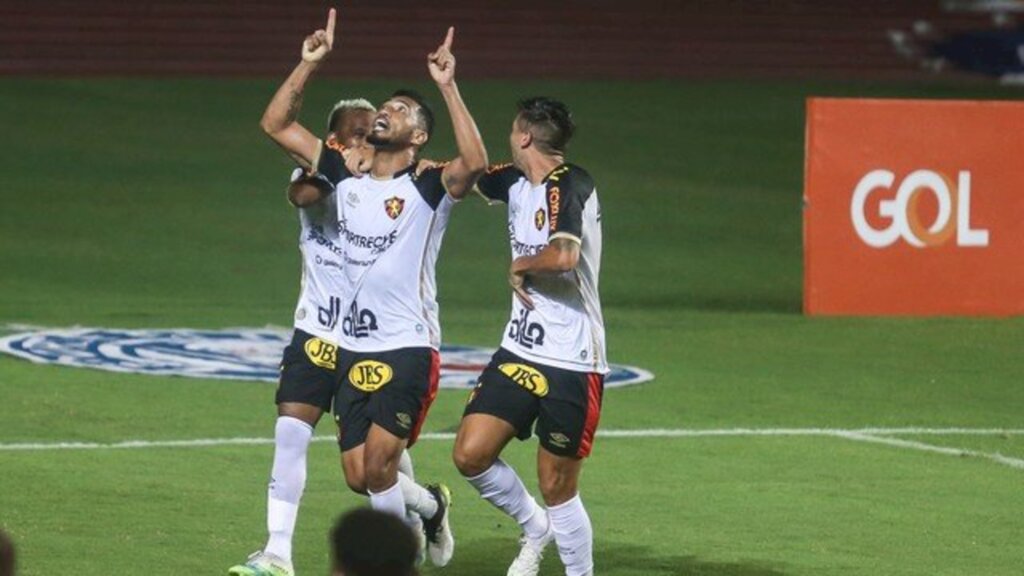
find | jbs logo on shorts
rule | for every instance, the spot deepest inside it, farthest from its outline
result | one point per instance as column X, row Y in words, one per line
column 323, row 354
column 369, row 375
column 527, row 377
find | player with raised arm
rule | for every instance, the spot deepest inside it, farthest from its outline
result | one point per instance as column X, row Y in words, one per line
column 391, row 225
column 551, row 365
column 308, row 379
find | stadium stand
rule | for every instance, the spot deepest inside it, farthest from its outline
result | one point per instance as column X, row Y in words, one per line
column 535, row 38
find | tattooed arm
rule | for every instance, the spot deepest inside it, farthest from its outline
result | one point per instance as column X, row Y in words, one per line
column 280, row 118
column 560, row 255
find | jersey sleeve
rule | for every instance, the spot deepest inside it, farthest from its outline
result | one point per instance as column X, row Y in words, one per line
column 496, row 181
column 430, row 184
column 568, row 193
column 331, row 164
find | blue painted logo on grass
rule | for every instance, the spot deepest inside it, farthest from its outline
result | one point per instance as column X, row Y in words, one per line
column 239, row 354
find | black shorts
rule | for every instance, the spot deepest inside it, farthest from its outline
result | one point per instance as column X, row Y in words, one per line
column 392, row 389
column 565, row 404
column 308, row 371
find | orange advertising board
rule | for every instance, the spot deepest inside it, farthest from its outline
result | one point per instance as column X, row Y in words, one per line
column 914, row 207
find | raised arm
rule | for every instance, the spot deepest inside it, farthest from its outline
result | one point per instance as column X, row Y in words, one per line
column 461, row 174
column 280, row 118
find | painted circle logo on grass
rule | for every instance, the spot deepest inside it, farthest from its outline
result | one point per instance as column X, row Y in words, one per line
column 236, row 354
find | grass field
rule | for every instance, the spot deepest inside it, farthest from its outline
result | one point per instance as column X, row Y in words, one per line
column 157, row 203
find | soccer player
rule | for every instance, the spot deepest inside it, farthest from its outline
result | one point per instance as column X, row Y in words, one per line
column 308, row 368
column 391, row 223
column 551, row 365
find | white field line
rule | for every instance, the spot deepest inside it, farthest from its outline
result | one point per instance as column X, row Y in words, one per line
column 921, row 446
column 853, row 434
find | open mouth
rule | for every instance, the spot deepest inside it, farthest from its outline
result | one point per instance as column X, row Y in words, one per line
column 380, row 124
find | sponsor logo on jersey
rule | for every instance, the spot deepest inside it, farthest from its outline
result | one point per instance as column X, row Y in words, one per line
column 554, row 201
column 323, row 354
column 376, row 244
column 538, row 219
column 526, row 376
column 527, row 334
column 233, row 354
column 522, row 248
column 370, row 375
column 358, row 322
column 393, row 206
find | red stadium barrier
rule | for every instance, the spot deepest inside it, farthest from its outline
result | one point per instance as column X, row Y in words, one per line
column 914, row 207
column 526, row 38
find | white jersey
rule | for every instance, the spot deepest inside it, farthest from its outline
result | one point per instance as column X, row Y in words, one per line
column 319, row 308
column 565, row 329
column 390, row 234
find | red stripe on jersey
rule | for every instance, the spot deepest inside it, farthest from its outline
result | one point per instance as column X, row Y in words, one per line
column 428, row 398
column 595, row 388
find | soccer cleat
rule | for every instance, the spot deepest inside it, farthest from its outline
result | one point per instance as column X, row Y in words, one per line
column 261, row 563
column 416, row 523
column 527, row 563
column 440, row 541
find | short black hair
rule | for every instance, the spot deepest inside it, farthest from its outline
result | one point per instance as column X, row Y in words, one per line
column 7, row 561
column 425, row 116
column 549, row 121
column 368, row 542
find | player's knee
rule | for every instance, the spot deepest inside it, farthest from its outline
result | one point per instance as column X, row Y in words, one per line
column 356, row 483
column 380, row 473
column 470, row 462
column 557, row 488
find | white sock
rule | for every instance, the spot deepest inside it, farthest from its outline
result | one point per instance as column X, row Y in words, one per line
column 287, row 481
column 574, row 536
column 417, row 498
column 390, row 500
column 501, row 486
column 405, row 467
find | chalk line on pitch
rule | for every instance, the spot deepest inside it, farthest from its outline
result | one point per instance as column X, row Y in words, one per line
column 870, row 435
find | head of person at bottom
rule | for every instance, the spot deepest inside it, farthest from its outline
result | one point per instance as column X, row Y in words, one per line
column 7, row 563
column 542, row 127
column 368, row 542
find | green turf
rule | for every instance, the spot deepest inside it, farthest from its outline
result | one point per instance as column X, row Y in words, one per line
column 157, row 203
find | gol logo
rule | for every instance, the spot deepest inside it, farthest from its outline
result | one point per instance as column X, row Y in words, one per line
column 903, row 211
column 323, row 354
column 527, row 377
column 369, row 375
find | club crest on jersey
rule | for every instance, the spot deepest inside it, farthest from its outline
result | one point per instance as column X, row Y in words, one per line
column 527, row 377
column 322, row 354
column 393, row 206
column 370, row 375
column 538, row 219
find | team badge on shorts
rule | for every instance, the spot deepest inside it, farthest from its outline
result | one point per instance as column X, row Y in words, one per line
column 527, row 377
column 393, row 206
column 323, row 354
column 538, row 219
column 370, row 375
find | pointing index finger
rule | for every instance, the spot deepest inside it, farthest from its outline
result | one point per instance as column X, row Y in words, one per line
column 448, row 39
column 331, row 16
